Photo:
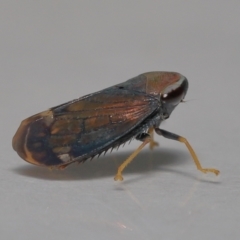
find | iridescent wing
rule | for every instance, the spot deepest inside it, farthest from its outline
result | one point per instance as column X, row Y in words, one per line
column 82, row 128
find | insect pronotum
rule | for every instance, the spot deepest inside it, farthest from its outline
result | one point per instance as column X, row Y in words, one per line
column 85, row 127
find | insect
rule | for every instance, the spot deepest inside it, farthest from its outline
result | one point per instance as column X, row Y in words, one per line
column 88, row 126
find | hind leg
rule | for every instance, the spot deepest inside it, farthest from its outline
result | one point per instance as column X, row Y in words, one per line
column 145, row 138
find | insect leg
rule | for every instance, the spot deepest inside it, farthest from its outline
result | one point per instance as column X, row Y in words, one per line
column 145, row 138
column 176, row 137
column 152, row 142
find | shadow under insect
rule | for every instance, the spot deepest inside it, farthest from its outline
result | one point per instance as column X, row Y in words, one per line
column 106, row 166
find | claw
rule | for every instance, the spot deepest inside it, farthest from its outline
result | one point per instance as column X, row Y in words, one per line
column 118, row 177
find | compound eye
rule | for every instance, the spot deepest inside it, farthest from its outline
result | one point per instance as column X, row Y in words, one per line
column 175, row 93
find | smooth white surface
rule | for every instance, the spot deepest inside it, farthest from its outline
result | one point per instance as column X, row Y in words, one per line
column 54, row 51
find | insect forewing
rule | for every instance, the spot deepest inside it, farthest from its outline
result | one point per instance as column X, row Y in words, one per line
column 81, row 128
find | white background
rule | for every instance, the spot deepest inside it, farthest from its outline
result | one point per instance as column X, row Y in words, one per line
column 54, row 51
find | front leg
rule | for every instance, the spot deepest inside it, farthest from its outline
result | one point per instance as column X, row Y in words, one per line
column 176, row 137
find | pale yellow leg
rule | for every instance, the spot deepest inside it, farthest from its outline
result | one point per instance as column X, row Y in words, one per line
column 152, row 142
column 118, row 176
column 195, row 158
